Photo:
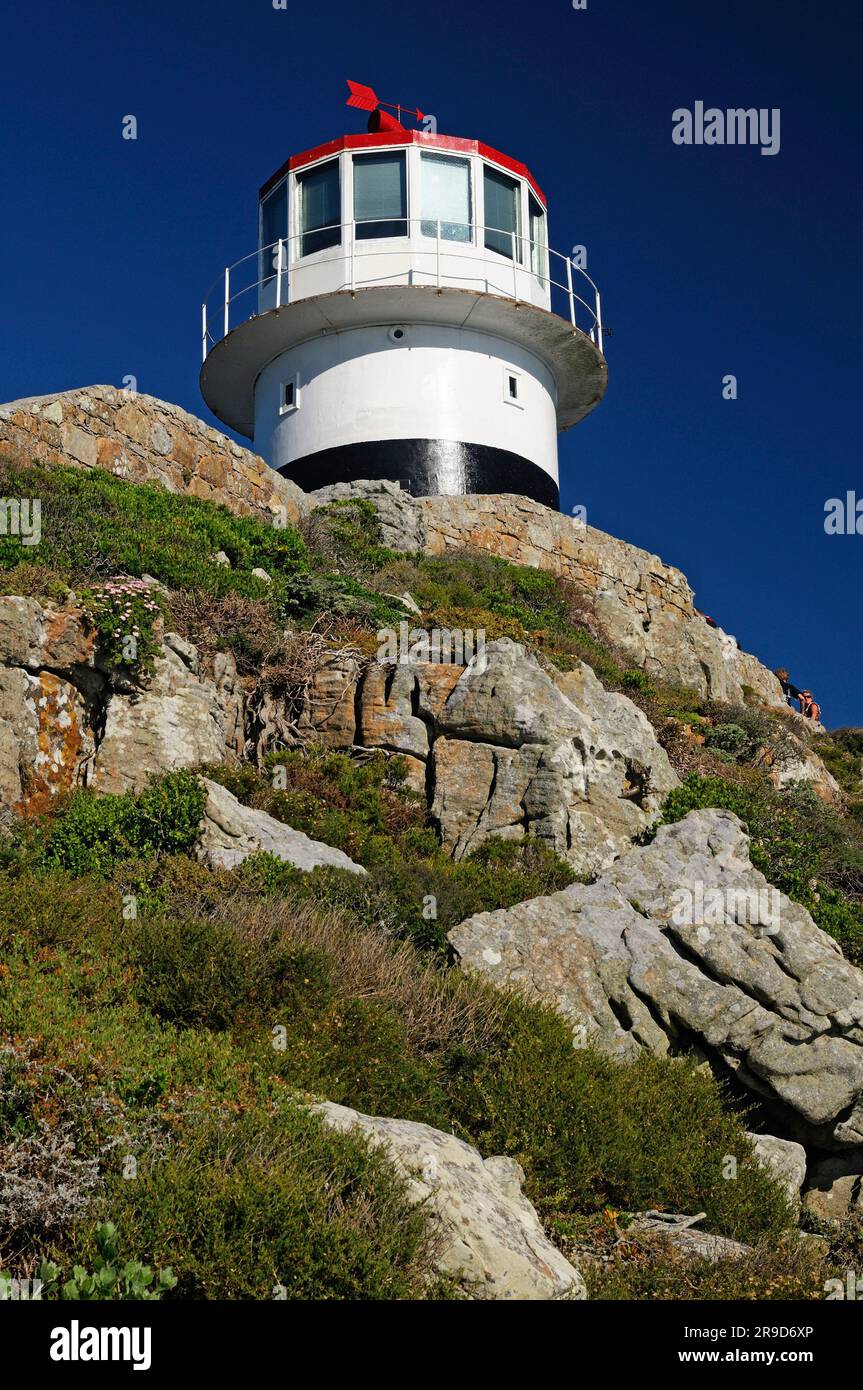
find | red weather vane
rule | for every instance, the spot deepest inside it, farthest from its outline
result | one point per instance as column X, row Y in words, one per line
column 365, row 99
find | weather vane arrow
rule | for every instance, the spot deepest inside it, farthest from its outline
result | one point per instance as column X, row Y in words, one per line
column 366, row 99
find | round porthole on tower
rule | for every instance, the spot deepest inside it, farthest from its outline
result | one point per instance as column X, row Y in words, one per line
column 405, row 238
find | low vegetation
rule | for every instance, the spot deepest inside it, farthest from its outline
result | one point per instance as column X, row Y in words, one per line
column 165, row 1026
column 172, row 1037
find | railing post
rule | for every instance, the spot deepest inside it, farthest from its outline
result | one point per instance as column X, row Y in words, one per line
column 353, row 235
column 569, row 288
column 514, row 270
column 203, row 332
column 279, row 258
column 437, row 252
column 599, row 322
column 227, row 300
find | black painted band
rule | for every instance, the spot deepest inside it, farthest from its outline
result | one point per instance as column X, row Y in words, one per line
column 427, row 468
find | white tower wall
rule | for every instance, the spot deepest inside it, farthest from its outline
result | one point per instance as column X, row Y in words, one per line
column 434, row 383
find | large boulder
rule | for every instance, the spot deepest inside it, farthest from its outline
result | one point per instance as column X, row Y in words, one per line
column 177, row 720
column 683, row 942
column 788, row 761
column 230, row 832
column 489, row 1235
column 785, row 1160
column 519, row 752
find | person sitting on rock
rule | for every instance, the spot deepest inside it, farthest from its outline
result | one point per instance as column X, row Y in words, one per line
column 808, row 707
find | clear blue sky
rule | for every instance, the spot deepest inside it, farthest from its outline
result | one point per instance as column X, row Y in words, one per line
column 711, row 260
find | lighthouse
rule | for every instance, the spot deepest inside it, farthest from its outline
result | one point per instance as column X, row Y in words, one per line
column 403, row 316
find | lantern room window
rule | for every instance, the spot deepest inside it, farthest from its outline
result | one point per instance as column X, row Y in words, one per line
column 320, row 199
column 538, row 239
column 445, row 195
column 274, row 215
column 502, row 212
column 274, row 227
column 380, row 195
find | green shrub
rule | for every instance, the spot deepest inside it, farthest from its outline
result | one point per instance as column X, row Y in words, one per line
column 94, row 833
column 348, row 535
column 842, row 754
column 731, row 740
column 196, row 974
column 637, row 680
column 30, row 911
column 94, row 523
column 205, row 973
column 271, row 1204
column 592, row 1132
column 109, row 1278
column 470, row 589
column 744, row 730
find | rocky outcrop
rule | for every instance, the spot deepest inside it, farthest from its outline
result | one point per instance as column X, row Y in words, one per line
column 501, row 747
column 787, row 760
column 684, row 942
column 518, row 753
column 488, row 1233
column 642, row 605
column 231, row 832
column 177, row 720
column 146, row 440
column 65, row 723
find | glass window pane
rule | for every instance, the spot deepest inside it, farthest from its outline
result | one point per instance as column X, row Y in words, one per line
column 539, row 245
column 446, row 197
column 274, row 224
column 502, row 200
column 320, row 207
column 380, row 195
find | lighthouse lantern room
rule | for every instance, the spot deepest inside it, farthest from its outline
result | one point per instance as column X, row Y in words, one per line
column 404, row 317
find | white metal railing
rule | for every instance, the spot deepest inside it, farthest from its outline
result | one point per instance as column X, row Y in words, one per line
column 233, row 297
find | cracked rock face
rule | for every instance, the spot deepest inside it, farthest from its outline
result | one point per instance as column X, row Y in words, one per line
column 501, row 747
column 519, row 753
column 490, row 1237
column 63, row 725
column 684, row 941
column 178, row 720
column 48, row 685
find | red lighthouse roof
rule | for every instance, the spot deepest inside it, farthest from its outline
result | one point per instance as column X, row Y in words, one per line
column 394, row 138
